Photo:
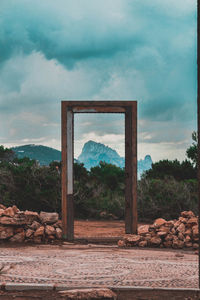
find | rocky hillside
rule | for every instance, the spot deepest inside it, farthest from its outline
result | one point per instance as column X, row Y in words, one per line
column 44, row 155
column 144, row 165
column 92, row 153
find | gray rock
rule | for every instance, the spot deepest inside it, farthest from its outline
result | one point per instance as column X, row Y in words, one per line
column 48, row 218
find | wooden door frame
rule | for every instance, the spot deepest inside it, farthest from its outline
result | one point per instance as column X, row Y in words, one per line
column 129, row 108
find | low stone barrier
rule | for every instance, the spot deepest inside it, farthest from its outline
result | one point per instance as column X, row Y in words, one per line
column 169, row 234
column 28, row 226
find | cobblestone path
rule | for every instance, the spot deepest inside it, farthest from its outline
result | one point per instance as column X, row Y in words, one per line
column 90, row 266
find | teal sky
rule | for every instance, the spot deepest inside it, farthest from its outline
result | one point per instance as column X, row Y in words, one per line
column 99, row 50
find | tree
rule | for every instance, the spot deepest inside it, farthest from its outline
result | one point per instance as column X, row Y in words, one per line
column 171, row 168
column 109, row 175
column 6, row 154
column 191, row 152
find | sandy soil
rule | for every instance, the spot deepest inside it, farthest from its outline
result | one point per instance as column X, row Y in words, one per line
column 83, row 228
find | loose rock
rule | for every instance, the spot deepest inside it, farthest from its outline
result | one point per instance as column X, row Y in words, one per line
column 48, row 218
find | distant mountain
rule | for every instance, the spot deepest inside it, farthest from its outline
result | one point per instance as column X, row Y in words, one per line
column 92, row 153
column 44, row 155
column 144, row 165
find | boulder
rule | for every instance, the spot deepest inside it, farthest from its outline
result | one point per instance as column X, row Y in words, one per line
column 177, row 244
column 9, row 212
column 159, row 222
column 188, row 231
column 8, row 221
column 15, row 209
column 181, row 236
column 195, row 246
column 88, row 294
column 50, row 230
column 32, row 213
column 187, row 214
column 1, row 211
column 142, row 244
column 39, row 231
column 161, row 233
column 155, row 241
column 170, row 223
column 173, row 230
column 48, row 218
column 121, row 243
column 144, row 229
column 182, row 220
column 187, row 238
column 181, row 228
column 19, row 219
column 132, row 239
column 35, row 225
column 188, row 244
column 193, row 221
column 147, row 237
column 50, row 237
column 18, row 238
column 195, row 231
column 58, row 233
column 151, row 227
column 164, row 228
column 177, row 223
column 2, row 206
column 6, row 232
column 29, row 233
column 58, row 224
column 167, row 244
column 169, row 237
column 37, row 239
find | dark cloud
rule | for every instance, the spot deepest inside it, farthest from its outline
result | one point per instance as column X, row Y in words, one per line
column 97, row 50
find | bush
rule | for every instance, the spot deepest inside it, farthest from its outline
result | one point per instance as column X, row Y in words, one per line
column 165, row 198
column 30, row 186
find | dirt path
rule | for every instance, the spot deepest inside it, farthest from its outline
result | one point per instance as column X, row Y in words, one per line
column 83, row 228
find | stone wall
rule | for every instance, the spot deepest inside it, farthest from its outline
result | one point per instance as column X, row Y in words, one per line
column 28, row 226
column 179, row 233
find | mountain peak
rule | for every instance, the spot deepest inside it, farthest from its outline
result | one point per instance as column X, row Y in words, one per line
column 93, row 152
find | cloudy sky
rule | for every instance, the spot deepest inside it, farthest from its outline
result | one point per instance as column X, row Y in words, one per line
column 99, row 50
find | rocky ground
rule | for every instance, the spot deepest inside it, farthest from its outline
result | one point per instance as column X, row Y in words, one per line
column 28, row 226
column 31, row 227
column 32, row 252
column 181, row 233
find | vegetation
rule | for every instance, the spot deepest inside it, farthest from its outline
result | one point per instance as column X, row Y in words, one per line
column 163, row 191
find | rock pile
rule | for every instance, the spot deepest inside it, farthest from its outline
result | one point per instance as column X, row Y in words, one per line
column 28, row 226
column 169, row 234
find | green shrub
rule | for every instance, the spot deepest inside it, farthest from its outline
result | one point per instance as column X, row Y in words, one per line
column 165, row 198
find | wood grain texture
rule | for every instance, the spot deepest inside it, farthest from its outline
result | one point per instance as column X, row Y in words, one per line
column 68, row 110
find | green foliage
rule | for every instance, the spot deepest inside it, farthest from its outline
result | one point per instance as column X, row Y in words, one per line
column 29, row 186
column 165, row 198
column 167, row 168
column 6, row 154
column 101, row 189
column 192, row 150
column 163, row 191
column 109, row 175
